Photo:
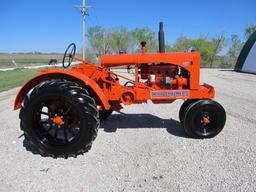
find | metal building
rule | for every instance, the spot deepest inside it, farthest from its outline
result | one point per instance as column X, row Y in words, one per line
column 246, row 61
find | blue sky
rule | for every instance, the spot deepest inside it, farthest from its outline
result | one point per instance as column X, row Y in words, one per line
column 49, row 25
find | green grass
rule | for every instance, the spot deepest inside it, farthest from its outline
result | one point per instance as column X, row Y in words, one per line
column 15, row 78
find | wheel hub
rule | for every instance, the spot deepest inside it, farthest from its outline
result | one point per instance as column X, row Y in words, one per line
column 58, row 120
column 205, row 120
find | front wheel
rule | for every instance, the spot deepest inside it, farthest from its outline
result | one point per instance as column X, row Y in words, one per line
column 183, row 108
column 60, row 119
column 204, row 119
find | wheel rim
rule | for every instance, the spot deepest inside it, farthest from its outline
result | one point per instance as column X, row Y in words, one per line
column 57, row 122
column 205, row 122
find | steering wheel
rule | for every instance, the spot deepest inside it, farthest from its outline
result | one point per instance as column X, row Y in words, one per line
column 69, row 53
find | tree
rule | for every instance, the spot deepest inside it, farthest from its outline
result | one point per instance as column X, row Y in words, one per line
column 100, row 40
column 108, row 41
column 206, row 49
column 181, row 44
column 234, row 50
column 169, row 47
column 218, row 44
column 91, row 55
column 143, row 34
column 249, row 30
column 201, row 44
column 120, row 40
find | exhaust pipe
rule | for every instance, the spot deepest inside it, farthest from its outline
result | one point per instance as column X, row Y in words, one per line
column 161, row 38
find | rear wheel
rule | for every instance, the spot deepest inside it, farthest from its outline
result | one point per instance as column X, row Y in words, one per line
column 60, row 119
column 204, row 119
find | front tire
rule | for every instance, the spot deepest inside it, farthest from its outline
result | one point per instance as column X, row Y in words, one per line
column 183, row 108
column 204, row 119
column 60, row 119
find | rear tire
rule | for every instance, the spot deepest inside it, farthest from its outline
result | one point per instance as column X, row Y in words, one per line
column 204, row 119
column 60, row 119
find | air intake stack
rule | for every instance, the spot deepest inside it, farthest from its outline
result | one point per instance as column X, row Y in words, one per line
column 161, row 38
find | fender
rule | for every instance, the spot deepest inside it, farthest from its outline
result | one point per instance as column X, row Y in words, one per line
column 70, row 75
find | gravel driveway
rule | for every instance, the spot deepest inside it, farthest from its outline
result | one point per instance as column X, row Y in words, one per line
column 143, row 149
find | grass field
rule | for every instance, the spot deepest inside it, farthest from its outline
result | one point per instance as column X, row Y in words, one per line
column 6, row 60
column 17, row 77
column 11, row 79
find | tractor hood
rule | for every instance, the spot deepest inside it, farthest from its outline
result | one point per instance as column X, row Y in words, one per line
column 178, row 58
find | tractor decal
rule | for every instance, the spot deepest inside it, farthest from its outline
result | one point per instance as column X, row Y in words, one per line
column 170, row 94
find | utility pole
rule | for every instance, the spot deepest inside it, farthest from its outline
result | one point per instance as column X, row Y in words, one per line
column 84, row 8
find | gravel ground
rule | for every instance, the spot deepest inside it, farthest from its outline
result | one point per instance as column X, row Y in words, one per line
column 144, row 149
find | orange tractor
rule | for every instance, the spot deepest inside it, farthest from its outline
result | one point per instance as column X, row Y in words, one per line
column 61, row 109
